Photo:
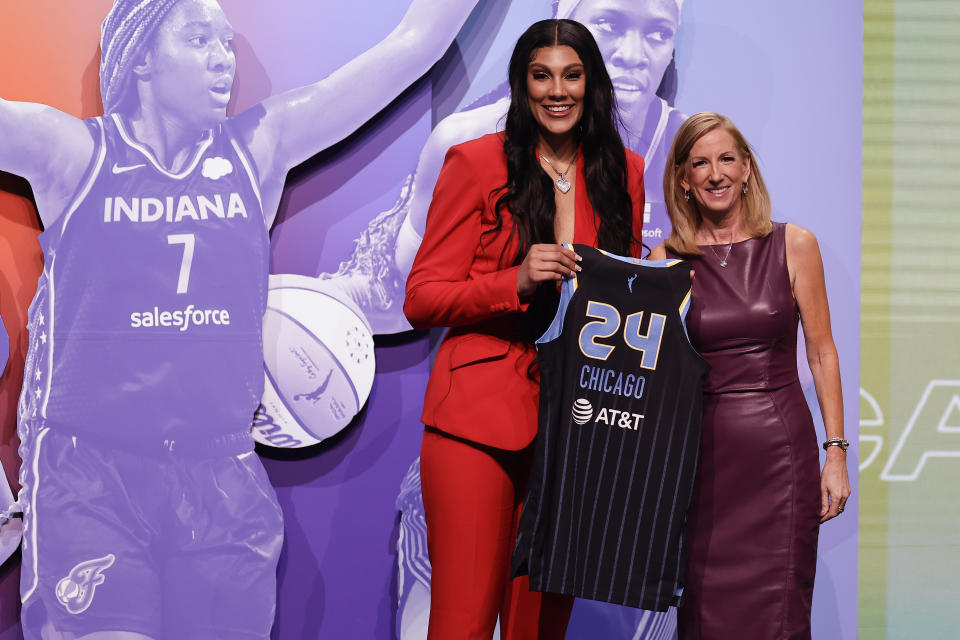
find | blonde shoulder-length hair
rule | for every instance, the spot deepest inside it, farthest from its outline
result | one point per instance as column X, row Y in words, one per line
column 684, row 215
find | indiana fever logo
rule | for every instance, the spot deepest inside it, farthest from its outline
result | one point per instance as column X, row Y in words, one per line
column 75, row 592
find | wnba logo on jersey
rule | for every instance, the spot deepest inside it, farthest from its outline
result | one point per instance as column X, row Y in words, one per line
column 75, row 592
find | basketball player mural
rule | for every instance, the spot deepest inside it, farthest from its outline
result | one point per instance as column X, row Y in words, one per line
column 146, row 513
column 636, row 38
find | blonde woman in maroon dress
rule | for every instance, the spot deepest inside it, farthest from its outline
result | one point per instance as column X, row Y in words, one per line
column 760, row 496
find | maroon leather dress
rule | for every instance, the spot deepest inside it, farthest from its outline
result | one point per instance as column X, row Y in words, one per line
column 754, row 519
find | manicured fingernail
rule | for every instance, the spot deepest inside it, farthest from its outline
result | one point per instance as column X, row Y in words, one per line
column 579, row 257
column 578, row 267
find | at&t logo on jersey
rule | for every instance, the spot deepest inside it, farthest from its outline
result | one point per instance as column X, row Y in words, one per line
column 618, row 418
column 582, row 413
column 75, row 592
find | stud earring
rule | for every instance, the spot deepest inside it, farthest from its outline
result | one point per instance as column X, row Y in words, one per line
column 686, row 195
column 745, row 189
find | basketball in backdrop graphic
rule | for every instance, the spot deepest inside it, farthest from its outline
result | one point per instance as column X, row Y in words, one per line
column 318, row 362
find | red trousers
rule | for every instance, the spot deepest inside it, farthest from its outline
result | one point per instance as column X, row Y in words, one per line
column 472, row 496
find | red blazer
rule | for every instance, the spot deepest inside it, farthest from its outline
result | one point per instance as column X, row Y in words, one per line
column 479, row 389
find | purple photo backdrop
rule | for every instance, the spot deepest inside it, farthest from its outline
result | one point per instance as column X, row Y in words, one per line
column 338, row 572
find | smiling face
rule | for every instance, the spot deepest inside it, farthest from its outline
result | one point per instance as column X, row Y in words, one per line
column 636, row 38
column 556, row 85
column 191, row 64
column 715, row 172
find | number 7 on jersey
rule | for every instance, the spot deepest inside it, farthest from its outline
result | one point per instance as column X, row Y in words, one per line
column 188, row 241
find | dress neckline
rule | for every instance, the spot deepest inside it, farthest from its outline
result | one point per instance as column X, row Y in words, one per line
column 724, row 244
column 776, row 226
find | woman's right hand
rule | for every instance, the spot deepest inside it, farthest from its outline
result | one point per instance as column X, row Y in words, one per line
column 545, row 263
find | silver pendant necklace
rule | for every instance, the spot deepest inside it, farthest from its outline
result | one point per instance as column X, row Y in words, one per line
column 562, row 183
column 723, row 260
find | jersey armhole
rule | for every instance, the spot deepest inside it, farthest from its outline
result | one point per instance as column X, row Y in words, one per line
column 685, row 285
column 567, row 288
column 683, row 308
column 247, row 161
column 89, row 176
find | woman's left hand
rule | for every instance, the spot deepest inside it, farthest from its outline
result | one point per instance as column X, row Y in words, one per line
column 834, row 485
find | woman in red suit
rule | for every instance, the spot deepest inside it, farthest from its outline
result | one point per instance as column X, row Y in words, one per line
column 502, row 203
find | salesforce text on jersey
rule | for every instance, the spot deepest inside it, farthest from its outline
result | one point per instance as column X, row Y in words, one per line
column 181, row 318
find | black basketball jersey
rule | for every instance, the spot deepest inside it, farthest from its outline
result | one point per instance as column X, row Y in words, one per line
column 619, row 435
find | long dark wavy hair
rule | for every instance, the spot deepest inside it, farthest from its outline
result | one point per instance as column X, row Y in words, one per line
column 528, row 195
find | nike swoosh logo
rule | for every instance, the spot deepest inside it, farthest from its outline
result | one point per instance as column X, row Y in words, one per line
column 117, row 169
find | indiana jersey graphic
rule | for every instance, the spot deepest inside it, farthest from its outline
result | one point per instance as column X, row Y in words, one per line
column 75, row 592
